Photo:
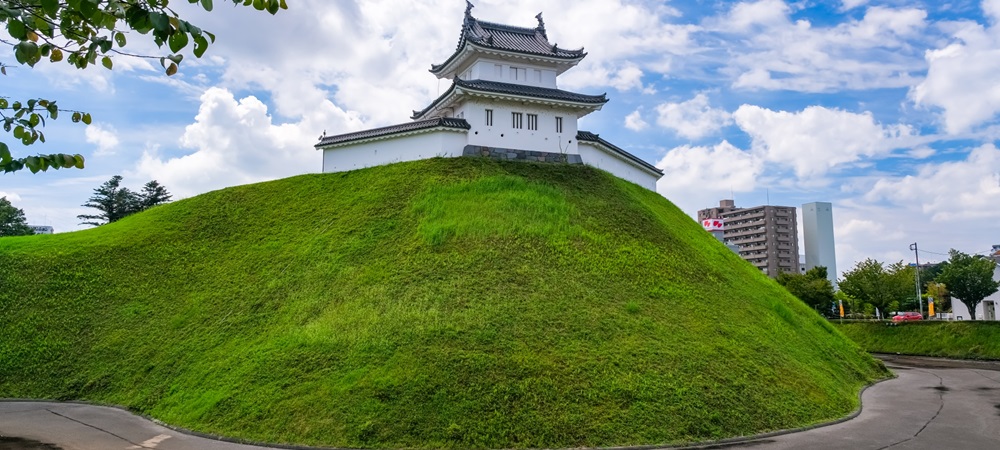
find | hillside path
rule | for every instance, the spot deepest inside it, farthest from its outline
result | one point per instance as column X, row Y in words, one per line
column 933, row 404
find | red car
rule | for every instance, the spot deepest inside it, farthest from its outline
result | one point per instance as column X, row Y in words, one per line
column 907, row 316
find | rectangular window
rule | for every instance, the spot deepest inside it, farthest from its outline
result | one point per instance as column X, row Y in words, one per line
column 522, row 74
column 513, row 73
column 517, row 120
column 532, row 121
column 489, row 117
column 558, row 124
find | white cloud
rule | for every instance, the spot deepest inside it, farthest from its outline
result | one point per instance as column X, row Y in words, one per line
column 763, row 13
column 105, row 137
column 692, row 119
column 963, row 78
column 236, row 142
column 11, row 196
column 949, row 191
column 634, row 121
column 776, row 53
column 817, row 139
column 695, row 177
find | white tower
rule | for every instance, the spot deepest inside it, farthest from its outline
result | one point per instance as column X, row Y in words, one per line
column 817, row 228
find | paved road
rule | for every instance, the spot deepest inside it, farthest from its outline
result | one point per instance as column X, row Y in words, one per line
column 932, row 405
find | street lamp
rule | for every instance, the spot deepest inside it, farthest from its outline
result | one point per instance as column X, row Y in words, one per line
column 916, row 275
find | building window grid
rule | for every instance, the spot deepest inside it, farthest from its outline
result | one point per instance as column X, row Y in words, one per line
column 517, row 120
column 532, row 121
column 559, row 125
column 489, row 117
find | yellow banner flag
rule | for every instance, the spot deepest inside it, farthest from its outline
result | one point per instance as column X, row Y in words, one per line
column 930, row 308
column 841, row 309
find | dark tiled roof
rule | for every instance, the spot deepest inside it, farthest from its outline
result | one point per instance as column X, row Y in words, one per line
column 495, row 36
column 515, row 89
column 441, row 122
column 594, row 137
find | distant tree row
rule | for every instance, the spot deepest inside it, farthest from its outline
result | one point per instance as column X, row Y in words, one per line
column 872, row 285
column 116, row 202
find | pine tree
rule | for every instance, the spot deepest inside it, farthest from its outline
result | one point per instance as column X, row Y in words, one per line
column 116, row 202
column 153, row 193
column 113, row 201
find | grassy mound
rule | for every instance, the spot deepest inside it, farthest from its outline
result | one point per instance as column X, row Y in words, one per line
column 964, row 340
column 442, row 303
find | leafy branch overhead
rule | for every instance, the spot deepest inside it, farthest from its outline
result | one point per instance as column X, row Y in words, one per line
column 83, row 33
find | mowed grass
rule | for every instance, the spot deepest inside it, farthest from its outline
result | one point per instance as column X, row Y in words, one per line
column 446, row 303
column 965, row 340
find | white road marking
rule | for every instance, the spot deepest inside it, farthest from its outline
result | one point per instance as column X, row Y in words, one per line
column 150, row 443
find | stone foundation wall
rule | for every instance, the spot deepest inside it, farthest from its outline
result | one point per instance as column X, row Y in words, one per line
column 519, row 155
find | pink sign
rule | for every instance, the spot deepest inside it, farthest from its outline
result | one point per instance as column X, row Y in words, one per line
column 712, row 224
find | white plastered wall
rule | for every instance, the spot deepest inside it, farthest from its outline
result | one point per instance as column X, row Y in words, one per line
column 502, row 133
column 595, row 156
column 508, row 72
column 412, row 147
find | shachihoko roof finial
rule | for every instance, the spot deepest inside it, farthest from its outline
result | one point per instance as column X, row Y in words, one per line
column 541, row 23
column 468, row 8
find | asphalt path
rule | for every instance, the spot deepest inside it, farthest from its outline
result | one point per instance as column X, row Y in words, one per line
column 932, row 404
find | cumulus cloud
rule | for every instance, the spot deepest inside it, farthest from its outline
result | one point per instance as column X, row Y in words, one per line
column 948, row 191
column 817, row 139
column 777, row 53
column 635, row 122
column 697, row 176
column 236, row 142
column 963, row 78
column 10, row 196
column 105, row 137
column 692, row 119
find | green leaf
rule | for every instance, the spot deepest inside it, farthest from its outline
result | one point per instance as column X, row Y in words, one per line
column 259, row 5
column 4, row 153
column 76, row 117
column 51, row 7
column 56, row 56
column 34, row 164
column 90, row 10
column 106, row 61
column 3, row 103
column 177, row 41
column 207, row 4
column 172, row 69
column 19, row 132
column 79, row 161
column 200, row 45
column 160, row 21
column 120, row 39
column 273, row 6
column 86, row 118
column 35, row 119
column 17, row 29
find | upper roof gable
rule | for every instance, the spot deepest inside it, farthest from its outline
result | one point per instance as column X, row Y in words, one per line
column 532, row 42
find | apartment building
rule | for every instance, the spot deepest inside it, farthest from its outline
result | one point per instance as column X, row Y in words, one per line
column 766, row 236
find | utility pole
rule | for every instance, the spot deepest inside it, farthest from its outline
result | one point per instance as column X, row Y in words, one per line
column 916, row 273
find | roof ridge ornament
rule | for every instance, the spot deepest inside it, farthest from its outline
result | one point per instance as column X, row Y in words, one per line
column 541, row 26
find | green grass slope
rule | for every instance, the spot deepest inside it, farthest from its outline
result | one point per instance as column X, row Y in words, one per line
column 447, row 303
column 965, row 340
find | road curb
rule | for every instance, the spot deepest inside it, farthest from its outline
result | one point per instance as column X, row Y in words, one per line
column 693, row 445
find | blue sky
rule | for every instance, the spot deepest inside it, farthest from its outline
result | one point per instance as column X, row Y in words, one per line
column 887, row 109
